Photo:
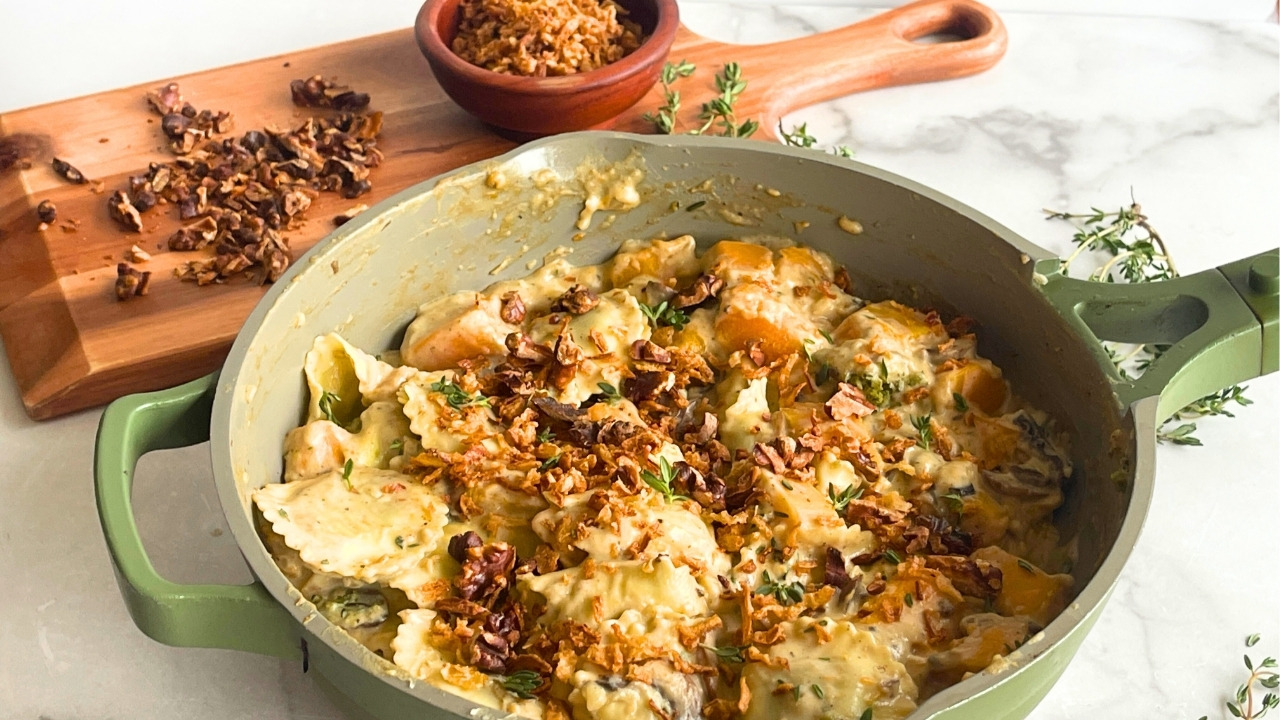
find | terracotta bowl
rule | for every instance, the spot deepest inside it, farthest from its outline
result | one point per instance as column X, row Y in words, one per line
column 548, row 105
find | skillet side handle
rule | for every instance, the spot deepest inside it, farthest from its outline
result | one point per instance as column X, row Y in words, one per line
column 1220, row 325
column 234, row 617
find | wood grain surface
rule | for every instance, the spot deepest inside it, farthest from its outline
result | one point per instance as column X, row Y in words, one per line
column 72, row 345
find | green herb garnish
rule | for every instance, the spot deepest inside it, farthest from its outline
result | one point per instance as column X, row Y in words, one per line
column 662, row 481
column 719, row 113
column 611, row 394
column 961, row 404
column 841, row 499
column 893, row 556
column 325, row 404
column 729, row 653
column 664, row 120
column 521, row 683
column 347, row 467
column 695, row 205
column 956, row 498
column 544, row 435
column 549, row 463
column 664, row 314
column 866, row 714
column 817, row 690
column 908, row 600
column 800, row 137
column 1136, row 253
column 1026, row 565
column 879, row 390
column 924, row 428
column 784, row 592
column 456, row 396
column 1245, row 704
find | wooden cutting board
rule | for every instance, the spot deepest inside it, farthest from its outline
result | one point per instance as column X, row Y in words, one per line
column 72, row 345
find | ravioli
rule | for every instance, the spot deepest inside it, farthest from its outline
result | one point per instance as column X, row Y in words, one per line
column 677, row 486
column 375, row 526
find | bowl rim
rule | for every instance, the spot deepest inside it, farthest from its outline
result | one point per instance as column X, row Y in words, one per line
column 1067, row 629
column 652, row 51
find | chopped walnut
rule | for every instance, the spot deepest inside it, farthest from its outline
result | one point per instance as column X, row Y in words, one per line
column 123, row 211
column 705, row 287
column 834, row 572
column 47, row 212
column 843, row 281
column 137, row 255
column 166, row 99
column 577, row 300
column 512, row 309
column 68, row 172
column 972, row 577
column 131, row 283
column 650, row 351
column 315, row 91
column 782, row 454
column 487, row 571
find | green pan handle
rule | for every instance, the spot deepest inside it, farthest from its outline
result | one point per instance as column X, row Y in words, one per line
column 1221, row 326
column 235, row 617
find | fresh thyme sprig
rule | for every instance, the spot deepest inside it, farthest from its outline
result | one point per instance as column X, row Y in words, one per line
column 719, row 113
column 841, row 499
column 662, row 480
column 924, row 428
column 664, row 120
column 521, row 683
column 1136, row 253
column 456, row 396
column 347, row 467
column 728, row 653
column 787, row 593
column 610, row 391
column 325, row 404
column 664, row 314
column 1246, row 705
column 800, row 137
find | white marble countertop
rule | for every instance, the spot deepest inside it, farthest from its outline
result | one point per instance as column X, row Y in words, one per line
column 1082, row 110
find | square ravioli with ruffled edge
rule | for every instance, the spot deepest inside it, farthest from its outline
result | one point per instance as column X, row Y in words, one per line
column 675, row 486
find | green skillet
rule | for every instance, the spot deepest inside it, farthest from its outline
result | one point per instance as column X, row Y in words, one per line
column 917, row 246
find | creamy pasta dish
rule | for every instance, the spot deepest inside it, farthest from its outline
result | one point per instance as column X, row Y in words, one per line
column 675, row 486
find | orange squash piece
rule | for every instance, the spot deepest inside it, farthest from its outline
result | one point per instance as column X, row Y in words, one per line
column 731, row 260
column 1026, row 589
column 980, row 384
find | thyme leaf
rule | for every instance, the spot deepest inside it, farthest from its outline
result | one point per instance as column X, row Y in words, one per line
column 662, row 480
column 610, row 392
column 800, row 137
column 1263, row 675
column 325, row 404
column 664, row 120
column 456, row 397
column 521, row 683
column 664, row 314
column 1133, row 252
column 786, row 593
column 719, row 113
column 924, row 428
column 841, row 499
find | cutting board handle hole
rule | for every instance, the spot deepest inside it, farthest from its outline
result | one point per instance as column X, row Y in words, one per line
column 945, row 22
